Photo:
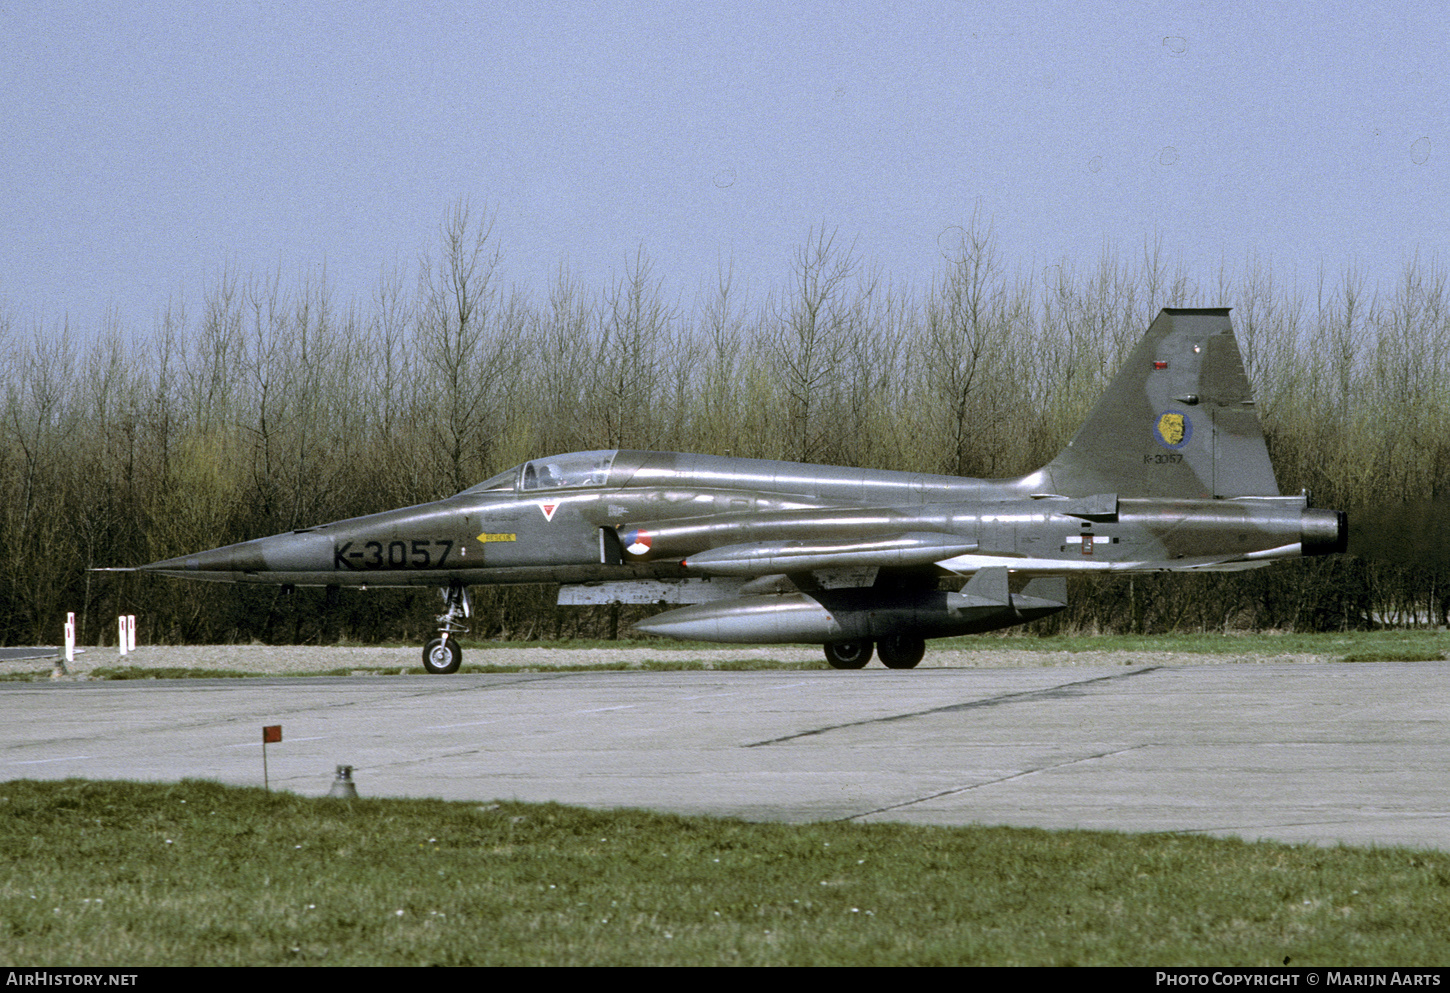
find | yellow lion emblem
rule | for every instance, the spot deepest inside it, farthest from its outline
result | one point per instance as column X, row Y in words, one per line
column 1170, row 429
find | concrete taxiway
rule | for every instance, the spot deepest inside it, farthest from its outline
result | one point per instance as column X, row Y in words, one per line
column 1322, row 753
column 24, row 654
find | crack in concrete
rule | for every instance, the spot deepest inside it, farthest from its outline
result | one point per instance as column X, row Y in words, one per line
column 1061, row 691
column 991, row 782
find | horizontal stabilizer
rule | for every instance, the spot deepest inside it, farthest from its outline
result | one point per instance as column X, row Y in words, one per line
column 760, row 558
column 988, row 588
column 1042, row 591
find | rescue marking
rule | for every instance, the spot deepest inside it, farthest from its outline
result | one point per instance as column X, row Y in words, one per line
column 486, row 537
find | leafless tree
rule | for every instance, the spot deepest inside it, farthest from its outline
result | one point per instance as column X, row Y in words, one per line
column 812, row 325
column 635, row 327
column 463, row 349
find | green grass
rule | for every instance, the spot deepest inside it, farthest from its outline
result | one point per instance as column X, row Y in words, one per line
column 115, row 873
column 1018, row 639
column 1329, row 644
column 167, row 672
column 1352, row 646
column 1411, row 655
column 655, row 665
column 1427, row 644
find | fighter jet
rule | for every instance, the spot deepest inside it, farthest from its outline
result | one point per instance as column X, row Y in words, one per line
column 1168, row 473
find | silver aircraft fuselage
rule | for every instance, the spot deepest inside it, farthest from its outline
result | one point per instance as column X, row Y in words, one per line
column 1170, row 472
column 659, row 515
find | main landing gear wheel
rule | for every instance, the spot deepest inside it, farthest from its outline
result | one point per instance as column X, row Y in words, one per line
column 901, row 651
column 441, row 657
column 848, row 654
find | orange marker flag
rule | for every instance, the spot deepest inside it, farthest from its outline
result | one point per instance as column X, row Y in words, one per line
column 271, row 733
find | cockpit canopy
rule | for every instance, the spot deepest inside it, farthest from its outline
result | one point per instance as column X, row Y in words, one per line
column 564, row 471
column 557, row 472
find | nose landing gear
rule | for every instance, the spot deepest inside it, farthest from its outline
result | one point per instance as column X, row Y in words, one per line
column 443, row 654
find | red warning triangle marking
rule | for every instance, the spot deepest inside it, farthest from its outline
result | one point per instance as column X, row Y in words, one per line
column 548, row 509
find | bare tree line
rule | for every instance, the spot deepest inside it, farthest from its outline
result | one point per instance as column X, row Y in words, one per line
column 273, row 407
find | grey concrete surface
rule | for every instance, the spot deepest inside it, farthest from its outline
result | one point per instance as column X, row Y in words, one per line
column 28, row 654
column 1321, row 753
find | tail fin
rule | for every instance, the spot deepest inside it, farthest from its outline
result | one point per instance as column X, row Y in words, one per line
column 1178, row 420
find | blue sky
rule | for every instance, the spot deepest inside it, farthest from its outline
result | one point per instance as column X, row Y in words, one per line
column 150, row 145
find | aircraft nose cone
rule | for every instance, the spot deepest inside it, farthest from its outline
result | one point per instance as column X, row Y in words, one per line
column 291, row 552
column 230, row 558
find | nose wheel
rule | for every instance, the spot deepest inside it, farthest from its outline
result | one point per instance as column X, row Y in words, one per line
column 443, row 654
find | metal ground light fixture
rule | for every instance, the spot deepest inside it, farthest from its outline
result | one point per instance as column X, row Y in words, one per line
column 343, row 787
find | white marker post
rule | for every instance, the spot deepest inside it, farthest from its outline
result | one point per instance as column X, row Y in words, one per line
column 130, row 632
column 70, row 646
column 121, row 629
